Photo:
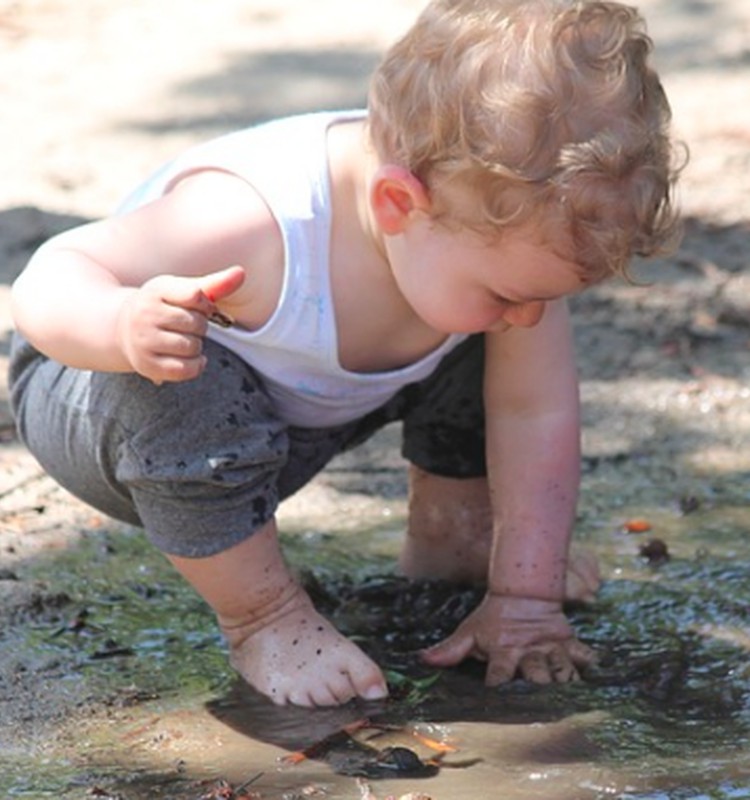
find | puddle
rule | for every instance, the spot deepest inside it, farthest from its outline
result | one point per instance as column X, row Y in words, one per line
column 146, row 706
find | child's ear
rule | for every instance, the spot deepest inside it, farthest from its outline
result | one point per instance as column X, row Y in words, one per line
column 395, row 193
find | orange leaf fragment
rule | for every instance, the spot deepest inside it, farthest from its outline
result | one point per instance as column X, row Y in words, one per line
column 637, row 526
column 434, row 744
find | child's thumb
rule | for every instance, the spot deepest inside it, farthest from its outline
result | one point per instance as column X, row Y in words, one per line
column 223, row 283
column 450, row 651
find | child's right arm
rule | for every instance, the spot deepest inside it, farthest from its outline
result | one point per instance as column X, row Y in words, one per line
column 134, row 292
column 78, row 313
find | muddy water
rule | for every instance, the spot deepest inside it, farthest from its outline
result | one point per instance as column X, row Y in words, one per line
column 155, row 712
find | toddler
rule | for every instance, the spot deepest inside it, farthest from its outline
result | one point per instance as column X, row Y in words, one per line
column 273, row 297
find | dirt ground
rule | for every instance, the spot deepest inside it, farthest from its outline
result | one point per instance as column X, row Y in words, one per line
column 94, row 95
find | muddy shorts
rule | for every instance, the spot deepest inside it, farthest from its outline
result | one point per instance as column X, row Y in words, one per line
column 202, row 464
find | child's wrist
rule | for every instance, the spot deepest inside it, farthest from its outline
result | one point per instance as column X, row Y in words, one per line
column 524, row 605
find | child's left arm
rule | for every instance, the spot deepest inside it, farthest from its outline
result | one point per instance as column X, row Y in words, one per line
column 533, row 456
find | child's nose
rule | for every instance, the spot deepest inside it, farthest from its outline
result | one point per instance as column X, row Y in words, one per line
column 525, row 315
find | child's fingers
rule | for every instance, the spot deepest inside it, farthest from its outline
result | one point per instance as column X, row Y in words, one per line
column 450, row 651
column 535, row 666
column 196, row 294
column 502, row 666
column 172, row 357
column 581, row 654
column 220, row 285
column 170, row 369
column 546, row 664
column 561, row 667
column 183, row 369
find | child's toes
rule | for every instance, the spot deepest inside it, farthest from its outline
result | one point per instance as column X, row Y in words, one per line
column 337, row 689
column 309, row 698
column 369, row 684
column 365, row 681
column 327, row 695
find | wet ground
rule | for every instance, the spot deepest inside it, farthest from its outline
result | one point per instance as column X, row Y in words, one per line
column 113, row 680
column 146, row 706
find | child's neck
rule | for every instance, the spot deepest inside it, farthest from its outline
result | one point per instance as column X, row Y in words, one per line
column 377, row 329
column 352, row 162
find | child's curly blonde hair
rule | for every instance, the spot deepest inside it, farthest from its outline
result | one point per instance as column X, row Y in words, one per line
column 542, row 110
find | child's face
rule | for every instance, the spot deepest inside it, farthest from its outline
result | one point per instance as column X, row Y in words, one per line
column 457, row 282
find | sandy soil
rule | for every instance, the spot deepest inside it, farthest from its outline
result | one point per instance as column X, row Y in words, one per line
column 96, row 94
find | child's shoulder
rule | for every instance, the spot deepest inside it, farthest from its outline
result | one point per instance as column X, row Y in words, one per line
column 265, row 155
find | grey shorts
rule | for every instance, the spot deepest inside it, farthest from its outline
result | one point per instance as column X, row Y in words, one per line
column 201, row 465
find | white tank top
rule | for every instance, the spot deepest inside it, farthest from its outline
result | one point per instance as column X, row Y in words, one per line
column 296, row 351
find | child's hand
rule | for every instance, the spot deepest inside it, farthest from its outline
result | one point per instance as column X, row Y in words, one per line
column 515, row 635
column 163, row 322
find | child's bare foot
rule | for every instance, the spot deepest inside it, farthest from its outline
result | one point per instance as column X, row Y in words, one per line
column 450, row 536
column 583, row 578
column 298, row 657
column 426, row 558
column 278, row 642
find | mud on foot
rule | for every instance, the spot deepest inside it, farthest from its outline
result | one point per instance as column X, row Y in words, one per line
column 300, row 658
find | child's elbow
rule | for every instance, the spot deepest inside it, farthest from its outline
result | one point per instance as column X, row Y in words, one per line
column 18, row 302
column 26, row 305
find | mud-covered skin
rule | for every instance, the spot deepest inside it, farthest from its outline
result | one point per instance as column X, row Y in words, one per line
column 451, row 535
column 279, row 643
